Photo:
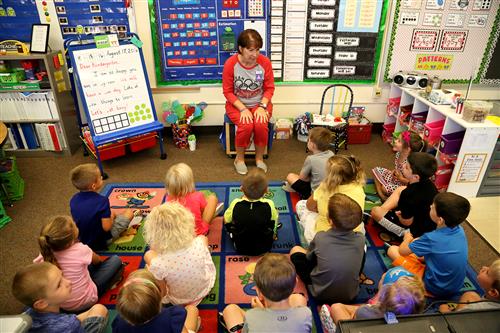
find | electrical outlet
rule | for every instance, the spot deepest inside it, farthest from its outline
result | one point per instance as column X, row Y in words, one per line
column 377, row 91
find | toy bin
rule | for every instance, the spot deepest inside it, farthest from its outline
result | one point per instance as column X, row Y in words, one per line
column 442, row 177
column 450, row 143
column 387, row 132
column 141, row 142
column 12, row 183
column 432, row 131
column 359, row 133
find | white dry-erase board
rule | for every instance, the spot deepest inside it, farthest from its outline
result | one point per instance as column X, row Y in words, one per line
column 114, row 91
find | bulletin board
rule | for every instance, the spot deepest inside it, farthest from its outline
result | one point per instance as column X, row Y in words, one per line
column 114, row 91
column 16, row 19
column 316, row 41
column 490, row 67
column 94, row 17
column 447, row 38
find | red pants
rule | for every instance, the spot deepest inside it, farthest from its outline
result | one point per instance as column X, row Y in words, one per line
column 260, row 130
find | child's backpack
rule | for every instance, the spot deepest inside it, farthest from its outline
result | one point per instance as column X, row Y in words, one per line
column 252, row 230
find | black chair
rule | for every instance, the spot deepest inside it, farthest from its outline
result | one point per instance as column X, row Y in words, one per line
column 340, row 106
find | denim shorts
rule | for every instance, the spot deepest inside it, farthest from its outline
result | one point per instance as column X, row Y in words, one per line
column 95, row 324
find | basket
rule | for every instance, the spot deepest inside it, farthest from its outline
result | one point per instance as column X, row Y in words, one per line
column 180, row 133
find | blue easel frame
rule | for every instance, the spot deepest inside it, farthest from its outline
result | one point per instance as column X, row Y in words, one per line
column 100, row 140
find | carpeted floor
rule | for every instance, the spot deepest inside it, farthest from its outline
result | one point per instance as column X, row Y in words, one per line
column 48, row 191
column 234, row 283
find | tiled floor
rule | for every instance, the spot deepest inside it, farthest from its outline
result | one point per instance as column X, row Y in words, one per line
column 485, row 218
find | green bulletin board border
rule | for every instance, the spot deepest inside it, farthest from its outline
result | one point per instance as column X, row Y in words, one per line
column 161, row 83
column 488, row 52
column 482, row 67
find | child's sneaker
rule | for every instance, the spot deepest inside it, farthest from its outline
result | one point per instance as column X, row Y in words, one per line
column 287, row 187
column 219, row 208
column 326, row 319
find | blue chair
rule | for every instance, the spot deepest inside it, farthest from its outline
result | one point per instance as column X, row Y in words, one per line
column 227, row 138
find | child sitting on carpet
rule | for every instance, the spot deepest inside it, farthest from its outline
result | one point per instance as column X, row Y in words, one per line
column 332, row 264
column 386, row 181
column 444, row 250
column 403, row 296
column 178, row 258
column 489, row 279
column 252, row 220
column 314, row 169
column 275, row 309
column 409, row 207
column 90, row 276
column 179, row 182
column 140, row 309
column 91, row 212
column 344, row 175
column 43, row 288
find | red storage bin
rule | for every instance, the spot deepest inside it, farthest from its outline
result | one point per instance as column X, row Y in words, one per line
column 432, row 131
column 141, row 142
column 450, row 143
column 359, row 134
column 443, row 176
column 107, row 151
column 387, row 132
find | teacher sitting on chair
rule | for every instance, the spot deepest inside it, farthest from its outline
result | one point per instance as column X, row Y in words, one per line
column 248, row 85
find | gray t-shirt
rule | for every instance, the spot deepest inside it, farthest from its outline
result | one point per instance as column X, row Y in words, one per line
column 481, row 306
column 368, row 311
column 262, row 320
column 315, row 167
column 338, row 255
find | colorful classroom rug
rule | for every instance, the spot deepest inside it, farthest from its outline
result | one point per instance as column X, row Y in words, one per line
column 234, row 282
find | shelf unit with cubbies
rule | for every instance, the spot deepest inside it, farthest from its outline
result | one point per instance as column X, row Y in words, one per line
column 462, row 149
column 61, row 118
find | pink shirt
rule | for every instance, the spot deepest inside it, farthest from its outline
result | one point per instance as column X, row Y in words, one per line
column 74, row 263
column 196, row 203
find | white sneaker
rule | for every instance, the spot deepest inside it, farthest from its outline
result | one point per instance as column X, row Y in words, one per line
column 287, row 187
column 326, row 320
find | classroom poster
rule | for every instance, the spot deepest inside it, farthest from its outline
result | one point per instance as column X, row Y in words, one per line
column 196, row 37
column 92, row 17
column 456, row 34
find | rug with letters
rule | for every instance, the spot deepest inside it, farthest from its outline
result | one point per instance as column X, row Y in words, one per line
column 234, row 283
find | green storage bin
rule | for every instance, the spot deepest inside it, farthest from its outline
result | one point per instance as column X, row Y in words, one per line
column 4, row 219
column 11, row 181
column 17, row 75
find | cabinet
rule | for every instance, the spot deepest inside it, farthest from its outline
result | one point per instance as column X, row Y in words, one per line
column 462, row 149
column 39, row 112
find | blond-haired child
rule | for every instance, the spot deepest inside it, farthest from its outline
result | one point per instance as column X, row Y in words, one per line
column 404, row 296
column 344, row 175
column 90, row 276
column 91, row 211
column 140, row 309
column 489, row 280
column 275, row 309
column 252, row 220
column 314, row 169
column 179, row 182
column 178, row 258
column 43, row 288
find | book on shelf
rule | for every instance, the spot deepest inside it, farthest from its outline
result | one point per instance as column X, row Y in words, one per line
column 44, row 136
column 25, row 106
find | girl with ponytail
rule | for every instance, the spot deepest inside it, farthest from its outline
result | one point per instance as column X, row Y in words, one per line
column 90, row 275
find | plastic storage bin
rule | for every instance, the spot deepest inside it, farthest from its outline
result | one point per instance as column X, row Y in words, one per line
column 443, row 177
column 141, row 142
column 388, row 131
column 432, row 131
column 13, row 184
column 359, row 133
column 450, row 143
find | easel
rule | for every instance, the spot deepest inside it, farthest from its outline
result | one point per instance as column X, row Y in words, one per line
column 100, row 139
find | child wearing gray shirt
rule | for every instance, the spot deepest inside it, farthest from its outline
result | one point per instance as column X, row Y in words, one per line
column 314, row 169
column 274, row 309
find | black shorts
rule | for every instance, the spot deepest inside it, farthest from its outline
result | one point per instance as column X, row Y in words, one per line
column 303, row 188
column 303, row 266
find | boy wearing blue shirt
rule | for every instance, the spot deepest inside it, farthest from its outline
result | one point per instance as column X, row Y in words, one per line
column 444, row 250
column 43, row 288
column 97, row 225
